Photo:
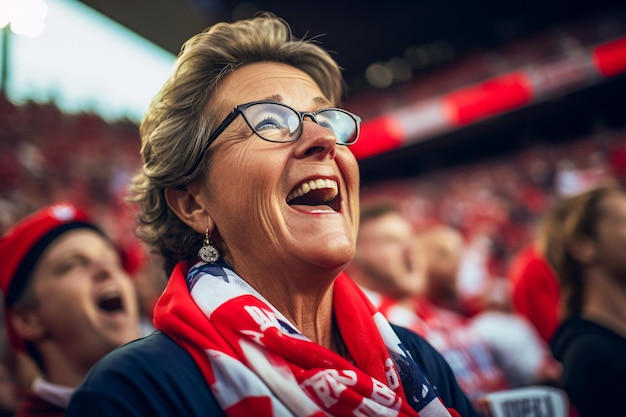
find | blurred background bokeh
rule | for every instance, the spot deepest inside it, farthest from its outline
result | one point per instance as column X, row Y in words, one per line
column 477, row 114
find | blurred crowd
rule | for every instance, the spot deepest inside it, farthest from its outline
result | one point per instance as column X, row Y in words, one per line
column 496, row 204
column 48, row 156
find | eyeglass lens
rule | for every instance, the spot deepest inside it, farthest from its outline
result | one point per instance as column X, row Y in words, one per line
column 279, row 123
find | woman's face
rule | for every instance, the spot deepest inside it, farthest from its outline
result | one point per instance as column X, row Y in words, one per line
column 610, row 238
column 251, row 183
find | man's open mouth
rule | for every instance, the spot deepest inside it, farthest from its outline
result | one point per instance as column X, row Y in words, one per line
column 111, row 302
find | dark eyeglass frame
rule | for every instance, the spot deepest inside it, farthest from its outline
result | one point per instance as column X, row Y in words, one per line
column 239, row 110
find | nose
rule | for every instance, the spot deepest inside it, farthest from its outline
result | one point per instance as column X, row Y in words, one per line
column 103, row 271
column 315, row 140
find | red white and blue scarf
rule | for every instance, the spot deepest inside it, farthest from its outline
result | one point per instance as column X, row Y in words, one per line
column 254, row 359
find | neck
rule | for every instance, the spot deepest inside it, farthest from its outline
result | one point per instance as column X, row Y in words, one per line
column 305, row 298
column 605, row 302
column 312, row 316
column 61, row 369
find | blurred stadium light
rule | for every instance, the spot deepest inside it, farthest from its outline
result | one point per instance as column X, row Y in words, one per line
column 82, row 60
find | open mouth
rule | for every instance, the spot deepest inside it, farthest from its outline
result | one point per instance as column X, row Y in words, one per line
column 319, row 194
column 111, row 303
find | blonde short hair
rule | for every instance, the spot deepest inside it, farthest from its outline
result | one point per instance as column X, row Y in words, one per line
column 180, row 118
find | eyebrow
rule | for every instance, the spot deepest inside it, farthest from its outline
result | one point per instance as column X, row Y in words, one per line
column 317, row 100
column 322, row 101
column 274, row 97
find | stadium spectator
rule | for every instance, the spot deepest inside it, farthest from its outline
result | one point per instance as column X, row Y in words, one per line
column 68, row 301
column 389, row 264
column 254, row 206
column 471, row 358
column 586, row 249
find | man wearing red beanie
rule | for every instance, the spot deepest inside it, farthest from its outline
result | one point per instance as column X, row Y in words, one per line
column 68, row 301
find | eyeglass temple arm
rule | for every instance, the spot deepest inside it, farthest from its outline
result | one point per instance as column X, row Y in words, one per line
column 225, row 123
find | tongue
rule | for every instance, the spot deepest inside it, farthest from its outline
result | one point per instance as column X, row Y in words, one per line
column 310, row 203
column 306, row 200
column 321, row 197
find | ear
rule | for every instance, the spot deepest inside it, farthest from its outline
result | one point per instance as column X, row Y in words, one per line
column 582, row 249
column 26, row 323
column 189, row 208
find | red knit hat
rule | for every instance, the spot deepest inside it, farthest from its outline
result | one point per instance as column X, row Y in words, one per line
column 22, row 245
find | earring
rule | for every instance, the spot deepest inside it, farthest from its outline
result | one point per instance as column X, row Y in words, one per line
column 208, row 253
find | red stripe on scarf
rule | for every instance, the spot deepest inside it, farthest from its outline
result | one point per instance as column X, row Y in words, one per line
column 359, row 331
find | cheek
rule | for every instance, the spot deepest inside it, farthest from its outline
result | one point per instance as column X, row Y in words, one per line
column 129, row 286
column 614, row 248
column 243, row 196
column 62, row 295
column 351, row 176
column 239, row 170
column 132, row 297
column 612, row 240
column 386, row 257
column 227, row 183
column 56, row 309
column 440, row 267
column 620, row 239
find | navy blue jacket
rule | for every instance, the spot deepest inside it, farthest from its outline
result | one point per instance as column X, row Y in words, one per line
column 156, row 377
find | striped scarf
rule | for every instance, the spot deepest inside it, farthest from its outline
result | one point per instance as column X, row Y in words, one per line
column 253, row 358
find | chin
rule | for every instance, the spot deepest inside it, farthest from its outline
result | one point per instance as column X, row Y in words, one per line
column 334, row 261
column 325, row 253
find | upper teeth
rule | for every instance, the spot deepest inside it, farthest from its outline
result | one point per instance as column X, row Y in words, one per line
column 317, row 184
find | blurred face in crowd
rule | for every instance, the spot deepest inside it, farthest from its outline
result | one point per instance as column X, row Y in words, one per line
column 389, row 254
column 610, row 241
column 443, row 248
column 85, row 303
column 278, row 204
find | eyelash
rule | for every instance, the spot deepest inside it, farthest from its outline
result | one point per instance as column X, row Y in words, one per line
column 72, row 263
column 81, row 261
column 263, row 124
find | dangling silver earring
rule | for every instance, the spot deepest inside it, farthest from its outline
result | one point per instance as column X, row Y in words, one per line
column 208, row 253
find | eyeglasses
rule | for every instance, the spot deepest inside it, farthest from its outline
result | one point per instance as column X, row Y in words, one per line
column 277, row 122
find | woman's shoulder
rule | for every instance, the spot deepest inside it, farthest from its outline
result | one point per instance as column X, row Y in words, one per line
column 149, row 376
column 156, row 359
column 580, row 338
column 436, row 369
column 422, row 352
column 407, row 336
column 152, row 354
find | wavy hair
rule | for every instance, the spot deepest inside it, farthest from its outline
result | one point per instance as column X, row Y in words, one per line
column 181, row 117
column 570, row 219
